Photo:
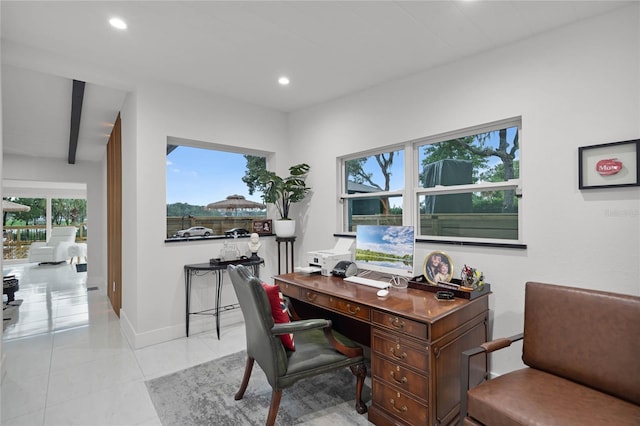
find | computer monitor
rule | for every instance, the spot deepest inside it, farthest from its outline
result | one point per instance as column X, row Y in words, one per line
column 385, row 248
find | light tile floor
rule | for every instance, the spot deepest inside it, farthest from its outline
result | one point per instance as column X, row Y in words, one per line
column 67, row 362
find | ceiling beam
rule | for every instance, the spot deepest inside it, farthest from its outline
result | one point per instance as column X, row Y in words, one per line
column 77, row 96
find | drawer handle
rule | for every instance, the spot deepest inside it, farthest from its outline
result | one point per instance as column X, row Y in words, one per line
column 401, row 381
column 399, row 410
column 402, row 356
column 352, row 311
column 397, row 323
column 311, row 296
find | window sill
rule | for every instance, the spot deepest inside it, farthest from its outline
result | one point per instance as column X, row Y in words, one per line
column 210, row 238
column 519, row 246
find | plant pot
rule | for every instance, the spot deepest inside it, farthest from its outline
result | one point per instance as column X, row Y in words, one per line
column 284, row 228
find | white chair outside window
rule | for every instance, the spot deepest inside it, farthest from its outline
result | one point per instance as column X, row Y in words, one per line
column 56, row 249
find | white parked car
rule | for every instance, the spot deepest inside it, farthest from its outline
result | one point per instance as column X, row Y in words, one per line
column 195, row 231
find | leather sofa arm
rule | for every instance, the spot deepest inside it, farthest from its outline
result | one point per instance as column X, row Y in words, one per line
column 500, row 343
column 465, row 360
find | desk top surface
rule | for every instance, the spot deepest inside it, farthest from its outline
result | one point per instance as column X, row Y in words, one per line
column 415, row 303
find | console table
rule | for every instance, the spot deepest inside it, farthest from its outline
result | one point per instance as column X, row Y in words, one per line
column 415, row 340
column 199, row 269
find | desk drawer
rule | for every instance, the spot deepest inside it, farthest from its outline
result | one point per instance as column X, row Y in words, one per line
column 401, row 377
column 399, row 404
column 346, row 307
column 290, row 290
column 401, row 324
column 350, row 308
column 400, row 350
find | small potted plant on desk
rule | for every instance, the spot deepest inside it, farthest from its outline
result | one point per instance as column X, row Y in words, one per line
column 282, row 192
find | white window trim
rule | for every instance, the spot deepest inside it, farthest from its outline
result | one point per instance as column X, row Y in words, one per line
column 412, row 189
column 472, row 187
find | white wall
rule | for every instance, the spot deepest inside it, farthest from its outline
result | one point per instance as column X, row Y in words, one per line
column 22, row 168
column 573, row 87
column 153, row 278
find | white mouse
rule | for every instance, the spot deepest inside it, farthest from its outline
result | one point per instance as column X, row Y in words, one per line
column 382, row 293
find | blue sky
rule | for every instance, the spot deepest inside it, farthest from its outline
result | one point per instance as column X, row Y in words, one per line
column 398, row 240
column 200, row 176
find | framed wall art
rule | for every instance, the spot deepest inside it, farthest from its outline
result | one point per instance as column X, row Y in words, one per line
column 437, row 267
column 609, row 165
column 263, row 227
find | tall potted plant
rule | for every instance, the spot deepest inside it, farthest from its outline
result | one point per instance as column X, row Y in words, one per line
column 284, row 191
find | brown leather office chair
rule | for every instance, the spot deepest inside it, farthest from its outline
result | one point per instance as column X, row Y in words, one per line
column 317, row 348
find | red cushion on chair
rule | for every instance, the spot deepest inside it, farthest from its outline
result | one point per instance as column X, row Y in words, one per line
column 279, row 312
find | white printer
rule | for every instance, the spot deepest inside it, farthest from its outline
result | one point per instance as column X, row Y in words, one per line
column 326, row 260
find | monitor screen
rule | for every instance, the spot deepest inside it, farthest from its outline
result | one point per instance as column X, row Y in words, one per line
column 384, row 248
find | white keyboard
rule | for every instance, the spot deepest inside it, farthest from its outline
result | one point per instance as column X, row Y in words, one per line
column 367, row 281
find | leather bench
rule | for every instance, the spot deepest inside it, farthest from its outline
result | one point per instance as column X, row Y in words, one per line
column 582, row 351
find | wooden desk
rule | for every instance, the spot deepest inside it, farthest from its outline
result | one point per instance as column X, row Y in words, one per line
column 415, row 342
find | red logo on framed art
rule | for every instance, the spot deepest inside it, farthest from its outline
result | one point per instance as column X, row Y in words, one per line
column 608, row 167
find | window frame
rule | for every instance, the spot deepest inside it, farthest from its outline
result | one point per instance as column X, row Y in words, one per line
column 413, row 188
column 211, row 146
column 343, row 196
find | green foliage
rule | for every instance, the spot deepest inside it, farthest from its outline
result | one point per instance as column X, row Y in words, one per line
column 356, row 173
column 256, row 167
column 32, row 217
column 497, row 172
column 475, row 148
column 185, row 209
column 64, row 211
column 68, row 211
column 284, row 191
column 455, row 149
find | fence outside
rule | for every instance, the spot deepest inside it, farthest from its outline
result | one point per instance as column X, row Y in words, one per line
column 468, row 225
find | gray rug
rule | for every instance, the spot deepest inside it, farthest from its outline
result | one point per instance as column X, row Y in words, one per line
column 203, row 395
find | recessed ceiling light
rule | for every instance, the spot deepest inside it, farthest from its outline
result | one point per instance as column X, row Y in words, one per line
column 284, row 81
column 118, row 23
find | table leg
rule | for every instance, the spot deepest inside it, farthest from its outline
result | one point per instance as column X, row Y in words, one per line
column 256, row 270
column 278, row 257
column 187, row 289
column 219, row 276
column 292, row 254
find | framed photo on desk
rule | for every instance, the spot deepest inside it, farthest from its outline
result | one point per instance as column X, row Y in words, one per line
column 263, row 227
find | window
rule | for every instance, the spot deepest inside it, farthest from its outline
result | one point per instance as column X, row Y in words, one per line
column 468, row 183
column 373, row 189
column 25, row 221
column 211, row 189
column 462, row 186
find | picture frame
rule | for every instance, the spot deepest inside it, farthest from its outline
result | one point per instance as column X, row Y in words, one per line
column 263, row 227
column 609, row 165
column 434, row 270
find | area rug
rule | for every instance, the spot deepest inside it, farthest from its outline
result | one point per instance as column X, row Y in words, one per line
column 203, row 395
column 10, row 313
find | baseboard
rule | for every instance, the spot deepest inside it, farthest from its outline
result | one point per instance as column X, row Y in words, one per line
column 197, row 324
